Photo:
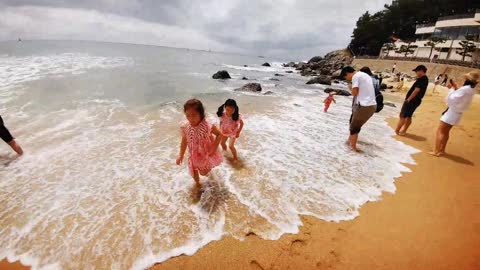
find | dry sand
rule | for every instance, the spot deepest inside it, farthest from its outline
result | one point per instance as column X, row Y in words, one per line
column 431, row 222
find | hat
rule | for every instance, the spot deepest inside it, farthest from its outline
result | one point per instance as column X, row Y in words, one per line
column 345, row 70
column 420, row 67
column 472, row 76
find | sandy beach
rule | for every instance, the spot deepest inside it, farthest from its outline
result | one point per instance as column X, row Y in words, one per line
column 431, row 222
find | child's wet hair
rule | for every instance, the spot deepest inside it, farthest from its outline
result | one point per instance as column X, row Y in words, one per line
column 229, row 103
column 196, row 105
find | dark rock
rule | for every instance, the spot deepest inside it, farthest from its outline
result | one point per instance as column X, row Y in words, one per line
column 274, row 79
column 321, row 80
column 337, row 74
column 245, row 66
column 335, row 81
column 291, row 64
column 315, row 59
column 383, row 86
column 390, row 87
column 280, row 75
column 339, row 92
column 326, row 72
column 301, row 66
column 268, row 93
column 389, row 104
column 244, row 78
column 266, row 64
column 221, row 75
column 250, row 87
column 288, row 71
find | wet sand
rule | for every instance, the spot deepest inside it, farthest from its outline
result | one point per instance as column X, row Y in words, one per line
column 431, row 222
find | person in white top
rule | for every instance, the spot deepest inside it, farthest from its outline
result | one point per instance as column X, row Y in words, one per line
column 364, row 102
column 437, row 82
column 458, row 100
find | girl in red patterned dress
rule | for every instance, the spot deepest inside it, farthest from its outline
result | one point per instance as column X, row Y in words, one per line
column 202, row 140
column 231, row 124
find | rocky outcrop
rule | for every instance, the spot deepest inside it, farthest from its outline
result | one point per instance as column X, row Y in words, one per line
column 330, row 64
column 291, row 64
column 268, row 93
column 339, row 92
column 288, row 71
column 221, row 75
column 322, row 79
column 315, row 59
column 250, row 87
column 266, row 64
column 274, row 79
column 278, row 75
column 244, row 78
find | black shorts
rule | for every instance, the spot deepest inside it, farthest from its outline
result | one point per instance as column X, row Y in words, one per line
column 408, row 109
column 4, row 133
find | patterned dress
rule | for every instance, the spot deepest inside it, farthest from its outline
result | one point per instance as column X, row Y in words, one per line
column 199, row 141
column 229, row 126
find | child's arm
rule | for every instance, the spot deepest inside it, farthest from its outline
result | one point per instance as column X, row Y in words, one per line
column 219, row 135
column 183, row 147
column 334, row 101
column 240, row 128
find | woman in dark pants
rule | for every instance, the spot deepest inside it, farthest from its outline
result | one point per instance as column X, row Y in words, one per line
column 8, row 138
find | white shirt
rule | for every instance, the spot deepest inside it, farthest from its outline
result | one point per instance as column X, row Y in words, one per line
column 366, row 92
column 459, row 100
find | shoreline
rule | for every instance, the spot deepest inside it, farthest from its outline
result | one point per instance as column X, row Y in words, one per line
column 413, row 228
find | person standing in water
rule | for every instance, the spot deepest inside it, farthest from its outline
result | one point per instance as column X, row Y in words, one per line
column 364, row 102
column 202, row 140
column 8, row 138
column 231, row 125
column 458, row 100
column 412, row 100
column 328, row 100
column 394, row 67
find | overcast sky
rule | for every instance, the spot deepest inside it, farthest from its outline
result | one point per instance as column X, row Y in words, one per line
column 277, row 28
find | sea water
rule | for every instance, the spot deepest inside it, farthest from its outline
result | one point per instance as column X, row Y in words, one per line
column 98, row 187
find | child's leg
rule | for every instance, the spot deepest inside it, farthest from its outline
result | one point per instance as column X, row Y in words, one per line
column 196, row 177
column 204, row 172
column 223, row 142
column 231, row 145
column 326, row 107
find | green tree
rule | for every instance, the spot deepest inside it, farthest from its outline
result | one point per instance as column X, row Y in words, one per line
column 408, row 48
column 388, row 47
column 432, row 43
column 468, row 46
column 400, row 19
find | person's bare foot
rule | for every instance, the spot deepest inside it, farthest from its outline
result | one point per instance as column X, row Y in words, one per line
column 402, row 133
column 435, row 154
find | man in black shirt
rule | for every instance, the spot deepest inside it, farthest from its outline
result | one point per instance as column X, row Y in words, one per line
column 7, row 137
column 412, row 100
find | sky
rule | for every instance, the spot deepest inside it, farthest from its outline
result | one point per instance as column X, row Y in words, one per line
column 273, row 28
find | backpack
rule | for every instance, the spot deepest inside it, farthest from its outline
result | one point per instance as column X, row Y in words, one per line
column 378, row 94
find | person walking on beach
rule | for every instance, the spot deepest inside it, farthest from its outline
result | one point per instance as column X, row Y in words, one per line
column 412, row 100
column 328, row 100
column 437, row 82
column 394, row 67
column 364, row 104
column 458, row 100
column 376, row 87
column 445, row 80
column 8, row 138
column 231, row 125
column 202, row 140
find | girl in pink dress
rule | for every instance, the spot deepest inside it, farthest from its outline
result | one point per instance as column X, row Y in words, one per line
column 202, row 140
column 231, row 124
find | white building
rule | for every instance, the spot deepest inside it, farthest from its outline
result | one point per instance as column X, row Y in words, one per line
column 451, row 28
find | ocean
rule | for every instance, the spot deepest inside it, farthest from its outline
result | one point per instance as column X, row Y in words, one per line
column 98, row 187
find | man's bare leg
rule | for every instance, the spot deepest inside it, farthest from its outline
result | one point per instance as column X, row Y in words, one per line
column 16, row 147
column 400, row 124
column 408, row 122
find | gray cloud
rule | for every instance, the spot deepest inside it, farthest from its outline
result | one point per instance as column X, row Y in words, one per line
column 281, row 28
